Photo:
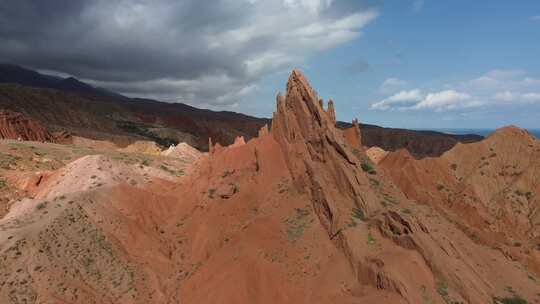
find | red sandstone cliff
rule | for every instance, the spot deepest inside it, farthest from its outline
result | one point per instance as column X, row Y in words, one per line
column 15, row 125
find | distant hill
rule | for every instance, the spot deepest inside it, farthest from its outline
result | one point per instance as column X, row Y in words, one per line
column 419, row 143
column 10, row 73
column 72, row 105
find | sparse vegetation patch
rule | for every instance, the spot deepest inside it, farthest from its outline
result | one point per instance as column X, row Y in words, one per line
column 359, row 214
column 296, row 224
column 515, row 299
column 367, row 167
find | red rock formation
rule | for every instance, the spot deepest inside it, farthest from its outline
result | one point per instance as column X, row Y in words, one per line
column 489, row 188
column 238, row 141
column 331, row 112
column 14, row 125
column 263, row 131
column 325, row 170
column 292, row 217
column 353, row 136
column 315, row 154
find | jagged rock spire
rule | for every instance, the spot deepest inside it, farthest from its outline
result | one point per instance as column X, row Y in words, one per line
column 317, row 156
column 330, row 112
column 353, row 136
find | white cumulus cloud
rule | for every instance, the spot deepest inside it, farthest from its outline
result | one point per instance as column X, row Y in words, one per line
column 499, row 87
column 401, row 100
column 445, row 100
column 416, row 100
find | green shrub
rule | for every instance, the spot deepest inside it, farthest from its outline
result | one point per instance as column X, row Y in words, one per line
column 41, row 206
column 359, row 214
column 297, row 223
column 367, row 168
column 211, row 192
column 515, row 299
column 374, row 182
column 227, row 173
column 370, row 239
column 442, row 289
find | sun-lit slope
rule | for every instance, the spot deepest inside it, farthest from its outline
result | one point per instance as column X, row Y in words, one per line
column 93, row 232
column 376, row 154
column 96, row 247
column 183, row 151
column 30, row 169
column 489, row 188
column 253, row 238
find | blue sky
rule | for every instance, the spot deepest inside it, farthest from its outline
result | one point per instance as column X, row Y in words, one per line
column 485, row 52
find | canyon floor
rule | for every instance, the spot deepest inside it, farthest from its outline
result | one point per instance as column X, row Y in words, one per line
column 301, row 213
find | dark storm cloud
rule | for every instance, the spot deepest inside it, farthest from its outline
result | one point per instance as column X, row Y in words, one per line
column 193, row 51
column 357, row 67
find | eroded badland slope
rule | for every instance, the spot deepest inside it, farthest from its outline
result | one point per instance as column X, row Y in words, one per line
column 297, row 215
column 490, row 189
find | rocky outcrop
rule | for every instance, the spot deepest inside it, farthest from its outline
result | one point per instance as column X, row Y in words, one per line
column 316, row 155
column 376, row 154
column 327, row 171
column 15, row 125
column 183, row 151
column 238, row 141
column 411, row 249
column 353, row 136
column 331, row 112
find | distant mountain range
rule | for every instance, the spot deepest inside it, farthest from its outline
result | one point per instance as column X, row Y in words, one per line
column 68, row 104
column 10, row 73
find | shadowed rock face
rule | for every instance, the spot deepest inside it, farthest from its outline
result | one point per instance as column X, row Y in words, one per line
column 14, row 125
